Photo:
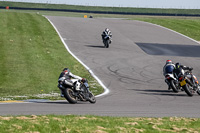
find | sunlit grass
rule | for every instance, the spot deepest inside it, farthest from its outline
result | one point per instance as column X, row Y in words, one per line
column 186, row 25
column 96, row 124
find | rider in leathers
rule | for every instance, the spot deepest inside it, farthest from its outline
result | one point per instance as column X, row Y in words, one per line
column 106, row 32
column 65, row 78
column 168, row 68
column 181, row 69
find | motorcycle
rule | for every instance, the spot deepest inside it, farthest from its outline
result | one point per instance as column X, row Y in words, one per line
column 172, row 82
column 79, row 92
column 107, row 41
column 189, row 82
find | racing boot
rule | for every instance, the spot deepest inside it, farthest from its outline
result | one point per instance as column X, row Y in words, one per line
column 61, row 93
column 169, row 87
column 61, row 90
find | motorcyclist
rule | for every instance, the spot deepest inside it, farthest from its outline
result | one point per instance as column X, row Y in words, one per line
column 181, row 69
column 168, row 68
column 65, row 78
column 105, row 33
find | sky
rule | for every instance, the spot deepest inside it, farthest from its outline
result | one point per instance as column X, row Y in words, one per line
column 180, row 4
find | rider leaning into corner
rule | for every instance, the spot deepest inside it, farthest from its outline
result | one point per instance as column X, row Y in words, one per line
column 106, row 32
column 65, row 78
column 176, row 69
column 181, row 69
column 168, row 68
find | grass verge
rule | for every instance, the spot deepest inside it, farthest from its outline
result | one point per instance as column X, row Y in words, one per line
column 32, row 57
column 189, row 26
column 96, row 124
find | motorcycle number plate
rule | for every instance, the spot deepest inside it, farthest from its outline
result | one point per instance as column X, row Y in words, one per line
column 182, row 83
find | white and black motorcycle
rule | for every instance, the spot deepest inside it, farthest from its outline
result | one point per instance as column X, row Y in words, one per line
column 79, row 92
column 107, row 41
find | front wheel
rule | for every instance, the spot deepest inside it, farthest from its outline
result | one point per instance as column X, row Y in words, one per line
column 107, row 44
column 198, row 92
column 188, row 89
column 91, row 98
column 198, row 89
column 69, row 95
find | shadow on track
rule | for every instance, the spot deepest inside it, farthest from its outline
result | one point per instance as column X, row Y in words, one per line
column 170, row 49
column 94, row 46
column 55, row 102
column 160, row 92
column 60, row 102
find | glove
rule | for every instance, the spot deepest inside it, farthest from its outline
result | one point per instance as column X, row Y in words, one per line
column 190, row 68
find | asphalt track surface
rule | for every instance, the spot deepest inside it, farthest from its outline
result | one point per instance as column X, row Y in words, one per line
column 131, row 68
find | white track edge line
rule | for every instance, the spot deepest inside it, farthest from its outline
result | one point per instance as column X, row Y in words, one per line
column 106, row 90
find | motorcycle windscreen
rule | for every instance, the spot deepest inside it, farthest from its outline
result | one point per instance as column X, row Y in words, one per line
column 169, row 69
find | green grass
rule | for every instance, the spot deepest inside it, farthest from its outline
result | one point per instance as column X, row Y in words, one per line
column 96, row 124
column 188, row 26
column 32, row 56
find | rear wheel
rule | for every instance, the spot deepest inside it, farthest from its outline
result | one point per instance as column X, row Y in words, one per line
column 188, row 89
column 69, row 95
column 174, row 85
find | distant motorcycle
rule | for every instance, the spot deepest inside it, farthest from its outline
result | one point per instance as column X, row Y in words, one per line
column 189, row 83
column 172, row 82
column 107, row 41
column 81, row 93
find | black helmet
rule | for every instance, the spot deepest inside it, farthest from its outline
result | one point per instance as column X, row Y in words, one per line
column 177, row 65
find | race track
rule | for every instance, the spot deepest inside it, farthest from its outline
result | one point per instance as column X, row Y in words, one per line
column 131, row 68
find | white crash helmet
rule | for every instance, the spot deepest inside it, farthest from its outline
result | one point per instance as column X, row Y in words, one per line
column 106, row 30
